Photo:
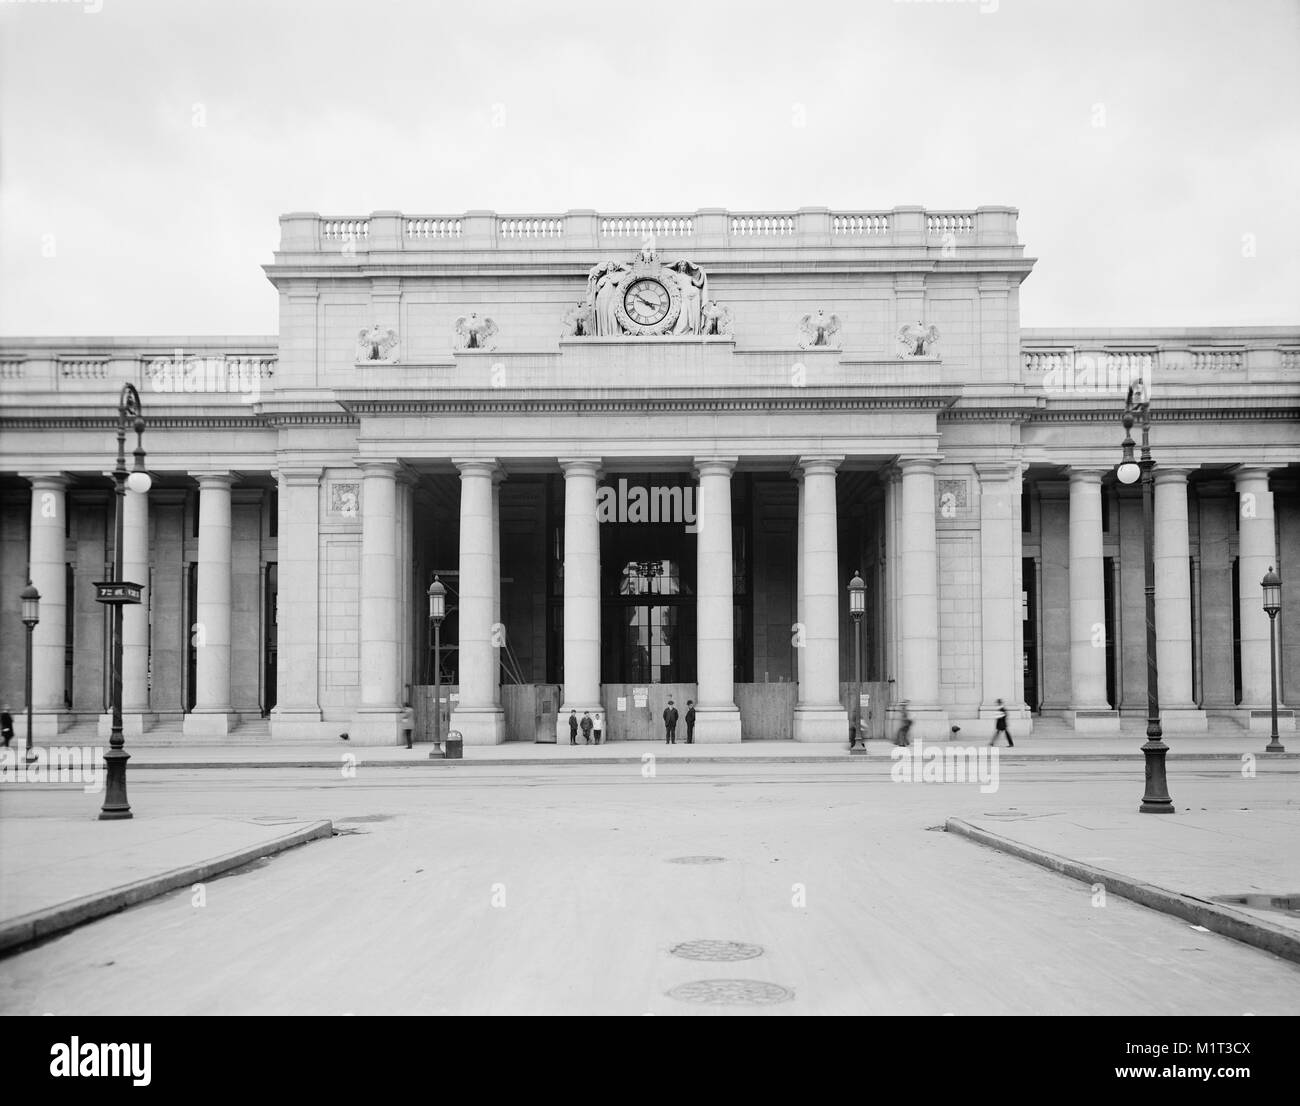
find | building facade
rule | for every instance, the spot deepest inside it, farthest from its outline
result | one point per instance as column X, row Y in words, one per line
column 646, row 454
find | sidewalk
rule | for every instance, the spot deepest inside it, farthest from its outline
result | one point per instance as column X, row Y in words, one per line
column 59, row 873
column 1183, row 864
column 170, row 750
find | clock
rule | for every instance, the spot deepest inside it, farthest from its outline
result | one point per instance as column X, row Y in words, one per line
column 649, row 304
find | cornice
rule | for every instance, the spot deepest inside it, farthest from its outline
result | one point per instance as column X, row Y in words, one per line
column 640, row 404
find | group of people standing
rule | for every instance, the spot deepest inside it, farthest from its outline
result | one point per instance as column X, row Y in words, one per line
column 585, row 725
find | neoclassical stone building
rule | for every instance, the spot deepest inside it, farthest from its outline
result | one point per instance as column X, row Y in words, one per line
column 646, row 454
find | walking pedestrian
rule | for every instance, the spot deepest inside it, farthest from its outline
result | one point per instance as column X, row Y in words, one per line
column 690, row 721
column 573, row 727
column 408, row 723
column 1000, row 727
column 670, row 724
column 586, row 725
column 904, row 735
column 6, row 725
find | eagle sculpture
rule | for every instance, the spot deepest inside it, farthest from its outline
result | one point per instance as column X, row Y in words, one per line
column 917, row 340
column 377, row 344
column 818, row 330
column 475, row 331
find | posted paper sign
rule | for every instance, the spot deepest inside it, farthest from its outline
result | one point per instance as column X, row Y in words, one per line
column 640, row 697
column 622, row 702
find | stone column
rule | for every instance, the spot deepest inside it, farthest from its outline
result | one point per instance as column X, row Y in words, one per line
column 581, row 593
column 801, row 615
column 478, row 715
column 1217, row 531
column 918, row 593
column 377, row 716
column 1001, row 629
column 213, row 714
column 717, row 717
column 47, row 567
column 135, row 617
column 297, row 712
column 819, row 715
column 1089, row 711
column 1178, row 713
column 1256, row 552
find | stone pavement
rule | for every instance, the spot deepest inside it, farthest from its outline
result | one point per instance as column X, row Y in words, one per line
column 58, row 873
column 170, row 750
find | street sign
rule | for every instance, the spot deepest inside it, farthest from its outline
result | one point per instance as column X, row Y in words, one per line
column 117, row 591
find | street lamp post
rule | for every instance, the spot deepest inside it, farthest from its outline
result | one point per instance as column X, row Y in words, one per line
column 857, row 606
column 1272, row 586
column 118, row 592
column 31, row 616
column 437, row 612
column 1137, row 406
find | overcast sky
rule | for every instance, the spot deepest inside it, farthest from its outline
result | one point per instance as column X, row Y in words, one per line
column 147, row 148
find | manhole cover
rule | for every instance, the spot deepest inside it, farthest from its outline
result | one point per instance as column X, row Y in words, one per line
column 1284, row 904
column 697, row 860
column 732, row 992
column 706, row 949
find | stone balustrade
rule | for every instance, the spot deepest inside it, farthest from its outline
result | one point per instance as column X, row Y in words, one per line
column 1079, row 363
column 707, row 228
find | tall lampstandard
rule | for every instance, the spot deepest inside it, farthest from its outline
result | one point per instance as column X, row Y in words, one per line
column 857, row 606
column 1272, row 585
column 116, row 593
column 1137, row 406
column 31, row 615
column 437, row 612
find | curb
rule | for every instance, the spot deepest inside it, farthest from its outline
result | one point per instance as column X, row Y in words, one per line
column 53, row 920
column 1215, row 917
column 568, row 762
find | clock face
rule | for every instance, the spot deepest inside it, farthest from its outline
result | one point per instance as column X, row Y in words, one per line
column 646, row 301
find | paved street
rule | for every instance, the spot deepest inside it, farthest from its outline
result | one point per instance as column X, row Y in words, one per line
column 537, row 890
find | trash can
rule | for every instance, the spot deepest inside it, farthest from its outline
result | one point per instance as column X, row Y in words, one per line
column 451, row 747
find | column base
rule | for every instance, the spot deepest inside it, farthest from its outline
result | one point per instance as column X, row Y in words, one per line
column 133, row 725
column 826, row 725
column 209, row 723
column 714, row 726
column 374, row 726
column 1183, row 720
column 931, row 724
column 1102, row 720
column 1261, row 721
column 303, row 725
column 486, row 726
column 45, row 725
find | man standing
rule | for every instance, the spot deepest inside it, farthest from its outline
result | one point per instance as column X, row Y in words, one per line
column 670, row 724
column 586, row 727
column 690, row 721
column 573, row 727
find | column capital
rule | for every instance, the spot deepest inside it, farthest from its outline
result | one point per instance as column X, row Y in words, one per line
column 379, row 468
column 47, row 481
column 298, row 477
column 477, row 466
column 1243, row 473
column 909, row 465
column 580, row 466
column 715, row 466
column 823, row 465
column 1173, row 475
column 1084, row 474
column 993, row 472
column 214, row 479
